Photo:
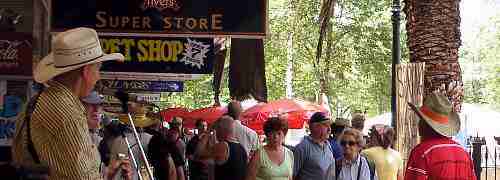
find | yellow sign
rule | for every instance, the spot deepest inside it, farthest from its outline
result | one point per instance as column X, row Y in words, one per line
column 147, row 50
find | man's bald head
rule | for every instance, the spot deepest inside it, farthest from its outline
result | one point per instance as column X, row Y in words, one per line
column 234, row 109
column 224, row 127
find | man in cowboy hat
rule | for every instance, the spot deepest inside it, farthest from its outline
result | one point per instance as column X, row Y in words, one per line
column 438, row 156
column 58, row 126
column 358, row 121
column 142, row 119
column 336, row 129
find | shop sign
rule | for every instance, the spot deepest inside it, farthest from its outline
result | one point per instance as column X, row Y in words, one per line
column 159, row 55
column 16, row 54
column 207, row 18
column 140, row 97
column 143, row 86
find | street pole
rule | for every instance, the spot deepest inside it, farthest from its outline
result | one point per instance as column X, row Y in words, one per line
column 396, row 56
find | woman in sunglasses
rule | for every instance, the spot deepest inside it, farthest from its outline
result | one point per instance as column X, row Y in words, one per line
column 353, row 166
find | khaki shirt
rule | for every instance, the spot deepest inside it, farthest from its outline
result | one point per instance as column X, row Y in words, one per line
column 60, row 136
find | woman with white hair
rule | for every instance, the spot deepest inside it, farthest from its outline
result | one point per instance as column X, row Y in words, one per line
column 353, row 166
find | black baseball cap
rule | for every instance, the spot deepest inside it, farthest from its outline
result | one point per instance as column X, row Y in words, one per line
column 320, row 117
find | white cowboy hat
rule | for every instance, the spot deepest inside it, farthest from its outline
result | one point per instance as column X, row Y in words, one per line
column 437, row 112
column 72, row 49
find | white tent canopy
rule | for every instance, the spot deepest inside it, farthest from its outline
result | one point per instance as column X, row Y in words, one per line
column 380, row 119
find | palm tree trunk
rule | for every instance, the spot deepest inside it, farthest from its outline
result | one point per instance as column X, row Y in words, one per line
column 433, row 29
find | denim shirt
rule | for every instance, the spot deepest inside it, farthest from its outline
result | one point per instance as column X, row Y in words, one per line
column 313, row 161
column 338, row 152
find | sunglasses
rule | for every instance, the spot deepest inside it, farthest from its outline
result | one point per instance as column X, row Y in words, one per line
column 350, row 143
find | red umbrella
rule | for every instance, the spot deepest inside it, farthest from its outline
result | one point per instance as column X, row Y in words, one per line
column 296, row 112
column 209, row 114
column 169, row 113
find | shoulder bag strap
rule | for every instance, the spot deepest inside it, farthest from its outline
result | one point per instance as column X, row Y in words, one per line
column 29, row 110
column 359, row 166
column 338, row 168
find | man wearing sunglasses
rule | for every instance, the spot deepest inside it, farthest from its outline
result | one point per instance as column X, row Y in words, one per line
column 313, row 158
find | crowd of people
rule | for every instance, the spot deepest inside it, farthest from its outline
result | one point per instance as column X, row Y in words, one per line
column 58, row 137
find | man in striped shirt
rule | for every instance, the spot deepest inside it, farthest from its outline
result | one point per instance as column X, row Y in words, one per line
column 58, row 129
column 437, row 156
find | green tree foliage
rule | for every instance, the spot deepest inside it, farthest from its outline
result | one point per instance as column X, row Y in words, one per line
column 356, row 58
column 358, row 64
column 479, row 58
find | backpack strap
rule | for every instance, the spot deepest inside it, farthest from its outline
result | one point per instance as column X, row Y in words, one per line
column 371, row 167
column 359, row 167
column 27, row 119
column 338, row 168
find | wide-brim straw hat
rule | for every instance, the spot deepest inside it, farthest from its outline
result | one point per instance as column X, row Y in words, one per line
column 358, row 118
column 343, row 122
column 140, row 120
column 438, row 113
column 72, row 49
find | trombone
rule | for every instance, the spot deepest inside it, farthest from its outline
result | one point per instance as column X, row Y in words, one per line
column 124, row 98
column 143, row 154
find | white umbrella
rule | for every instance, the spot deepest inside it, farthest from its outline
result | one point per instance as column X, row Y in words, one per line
column 384, row 119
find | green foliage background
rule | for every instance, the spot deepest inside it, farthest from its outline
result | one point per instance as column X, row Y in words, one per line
column 479, row 58
column 357, row 66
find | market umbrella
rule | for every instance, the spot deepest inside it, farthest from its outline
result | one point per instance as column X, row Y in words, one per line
column 169, row 113
column 296, row 111
column 209, row 114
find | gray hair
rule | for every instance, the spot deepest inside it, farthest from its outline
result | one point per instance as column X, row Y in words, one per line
column 358, row 136
column 224, row 124
column 234, row 109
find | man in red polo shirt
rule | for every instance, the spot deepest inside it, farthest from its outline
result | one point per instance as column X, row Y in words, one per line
column 437, row 156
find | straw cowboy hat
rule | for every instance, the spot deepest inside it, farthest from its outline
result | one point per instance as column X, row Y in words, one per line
column 343, row 122
column 141, row 118
column 72, row 49
column 437, row 112
column 358, row 118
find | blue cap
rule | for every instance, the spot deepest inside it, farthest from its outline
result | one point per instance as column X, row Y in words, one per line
column 93, row 98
